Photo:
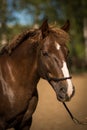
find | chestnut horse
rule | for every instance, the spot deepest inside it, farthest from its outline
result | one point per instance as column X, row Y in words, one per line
column 34, row 54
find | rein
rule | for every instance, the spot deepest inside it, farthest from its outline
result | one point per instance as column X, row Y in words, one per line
column 76, row 121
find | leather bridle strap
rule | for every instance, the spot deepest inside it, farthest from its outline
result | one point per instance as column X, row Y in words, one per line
column 72, row 117
column 57, row 79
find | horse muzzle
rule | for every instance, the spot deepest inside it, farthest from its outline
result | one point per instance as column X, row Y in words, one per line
column 62, row 94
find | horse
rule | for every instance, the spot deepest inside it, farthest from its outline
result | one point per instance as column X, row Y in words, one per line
column 33, row 54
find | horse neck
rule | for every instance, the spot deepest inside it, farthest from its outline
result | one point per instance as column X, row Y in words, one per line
column 26, row 56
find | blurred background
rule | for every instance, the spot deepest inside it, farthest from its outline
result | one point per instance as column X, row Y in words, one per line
column 19, row 15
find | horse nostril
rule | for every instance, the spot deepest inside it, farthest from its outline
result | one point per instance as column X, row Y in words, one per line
column 63, row 90
column 62, row 93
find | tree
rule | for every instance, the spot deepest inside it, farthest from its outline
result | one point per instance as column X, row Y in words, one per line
column 5, row 16
column 59, row 11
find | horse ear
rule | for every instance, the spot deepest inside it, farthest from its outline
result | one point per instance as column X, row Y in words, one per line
column 66, row 26
column 44, row 28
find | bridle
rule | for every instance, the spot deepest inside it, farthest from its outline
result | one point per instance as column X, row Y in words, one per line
column 76, row 121
column 57, row 79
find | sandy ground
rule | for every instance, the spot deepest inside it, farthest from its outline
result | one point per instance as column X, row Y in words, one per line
column 51, row 114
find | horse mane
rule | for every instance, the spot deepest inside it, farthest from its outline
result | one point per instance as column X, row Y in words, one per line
column 33, row 35
column 17, row 40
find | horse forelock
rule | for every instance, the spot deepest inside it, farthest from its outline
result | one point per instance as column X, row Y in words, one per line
column 62, row 36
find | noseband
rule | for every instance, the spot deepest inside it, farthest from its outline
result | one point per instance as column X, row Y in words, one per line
column 57, row 79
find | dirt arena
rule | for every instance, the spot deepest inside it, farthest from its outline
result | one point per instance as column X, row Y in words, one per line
column 51, row 114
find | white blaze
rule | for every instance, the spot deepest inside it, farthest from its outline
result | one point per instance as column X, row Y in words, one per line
column 57, row 45
column 66, row 74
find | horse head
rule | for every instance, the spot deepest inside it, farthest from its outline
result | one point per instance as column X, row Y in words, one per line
column 52, row 64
